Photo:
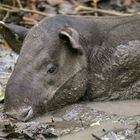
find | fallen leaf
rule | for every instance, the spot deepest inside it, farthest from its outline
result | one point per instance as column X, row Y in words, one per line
column 95, row 123
column 1, row 94
column 127, row 3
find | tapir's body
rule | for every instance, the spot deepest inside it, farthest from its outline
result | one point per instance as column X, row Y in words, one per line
column 66, row 58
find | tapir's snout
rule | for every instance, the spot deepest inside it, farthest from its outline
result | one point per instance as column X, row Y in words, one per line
column 18, row 105
column 23, row 114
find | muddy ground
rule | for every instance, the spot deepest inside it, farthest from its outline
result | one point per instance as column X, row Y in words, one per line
column 117, row 120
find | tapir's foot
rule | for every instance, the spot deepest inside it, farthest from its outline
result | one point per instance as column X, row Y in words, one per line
column 22, row 115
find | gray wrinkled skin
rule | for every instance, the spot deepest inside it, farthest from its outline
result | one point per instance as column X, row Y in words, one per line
column 95, row 58
column 120, row 77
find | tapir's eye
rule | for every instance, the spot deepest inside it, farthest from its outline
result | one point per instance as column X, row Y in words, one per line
column 52, row 69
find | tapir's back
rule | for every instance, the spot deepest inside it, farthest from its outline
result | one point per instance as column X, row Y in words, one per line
column 104, row 22
column 115, row 65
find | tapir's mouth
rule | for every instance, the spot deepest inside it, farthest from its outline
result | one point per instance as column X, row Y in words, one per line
column 23, row 114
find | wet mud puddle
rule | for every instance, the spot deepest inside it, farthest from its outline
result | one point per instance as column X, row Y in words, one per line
column 81, row 121
column 118, row 120
column 113, row 120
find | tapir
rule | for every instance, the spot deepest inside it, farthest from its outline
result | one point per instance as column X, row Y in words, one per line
column 65, row 59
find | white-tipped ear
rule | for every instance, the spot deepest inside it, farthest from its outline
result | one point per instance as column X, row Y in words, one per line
column 71, row 36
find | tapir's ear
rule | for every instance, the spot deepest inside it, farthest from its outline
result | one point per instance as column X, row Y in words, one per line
column 71, row 36
column 13, row 35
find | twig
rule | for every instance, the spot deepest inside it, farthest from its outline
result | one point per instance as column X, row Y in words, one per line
column 32, row 11
column 93, row 10
column 81, row 122
column 29, row 21
column 6, row 9
column 6, row 16
column 137, row 125
column 74, row 2
column 95, row 7
column 94, row 136
column 19, row 3
column 16, row 10
column 14, row 3
column 7, row 6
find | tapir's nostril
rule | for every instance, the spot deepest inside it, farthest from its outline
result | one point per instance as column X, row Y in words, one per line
column 22, row 115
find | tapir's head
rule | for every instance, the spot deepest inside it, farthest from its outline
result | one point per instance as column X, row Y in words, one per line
column 50, row 72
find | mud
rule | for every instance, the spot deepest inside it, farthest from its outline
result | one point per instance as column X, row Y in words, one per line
column 114, row 120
